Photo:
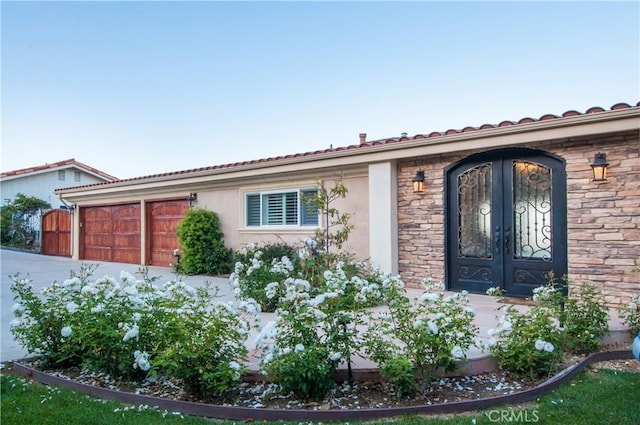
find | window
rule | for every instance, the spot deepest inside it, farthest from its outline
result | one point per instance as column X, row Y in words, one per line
column 61, row 175
column 287, row 208
column 76, row 176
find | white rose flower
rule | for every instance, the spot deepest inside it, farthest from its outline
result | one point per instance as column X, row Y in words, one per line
column 429, row 297
column 66, row 331
column 72, row 307
column 17, row 310
column 456, row 352
column 133, row 332
column 334, row 357
column 299, row 347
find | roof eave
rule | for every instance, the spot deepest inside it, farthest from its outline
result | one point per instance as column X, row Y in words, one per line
column 575, row 126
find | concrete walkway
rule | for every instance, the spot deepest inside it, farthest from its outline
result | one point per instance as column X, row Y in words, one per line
column 43, row 270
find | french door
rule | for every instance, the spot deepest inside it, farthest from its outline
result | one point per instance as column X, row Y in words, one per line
column 506, row 221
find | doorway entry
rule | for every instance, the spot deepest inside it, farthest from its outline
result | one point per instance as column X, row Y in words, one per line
column 506, row 221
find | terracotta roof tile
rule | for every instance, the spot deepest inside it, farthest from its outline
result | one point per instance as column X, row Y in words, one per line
column 434, row 134
column 571, row 113
column 594, row 110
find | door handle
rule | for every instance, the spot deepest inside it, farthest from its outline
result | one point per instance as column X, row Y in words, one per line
column 497, row 239
column 507, row 236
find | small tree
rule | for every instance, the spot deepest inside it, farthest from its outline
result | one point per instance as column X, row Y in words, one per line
column 203, row 250
column 15, row 216
column 334, row 219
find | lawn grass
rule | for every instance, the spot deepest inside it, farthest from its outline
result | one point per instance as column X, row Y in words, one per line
column 606, row 397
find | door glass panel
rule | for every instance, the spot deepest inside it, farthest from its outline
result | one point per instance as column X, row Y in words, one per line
column 474, row 212
column 531, row 211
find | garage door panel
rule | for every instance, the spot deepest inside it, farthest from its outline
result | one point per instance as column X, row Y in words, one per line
column 112, row 233
column 126, row 255
column 126, row 241
column 97, row 213
column 97, row 253
column 126, row 226
column 164, row 218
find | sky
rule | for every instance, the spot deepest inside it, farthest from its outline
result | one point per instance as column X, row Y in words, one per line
column 140, row 88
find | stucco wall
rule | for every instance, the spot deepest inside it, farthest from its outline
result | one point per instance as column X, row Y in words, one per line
column 228, row 204
column 42, row 185
column 603, row 217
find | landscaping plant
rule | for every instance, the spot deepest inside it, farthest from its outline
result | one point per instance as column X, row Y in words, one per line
column 531, row 342
column 527, row 343
column 202, row 244
column 412, row 340
column 15, row 216
column 131, row 328
column 630, row 314
column 312, row 333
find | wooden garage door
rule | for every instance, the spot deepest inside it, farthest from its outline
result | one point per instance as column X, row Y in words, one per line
column 56, row 233
column 111, row 233
column 163, row 219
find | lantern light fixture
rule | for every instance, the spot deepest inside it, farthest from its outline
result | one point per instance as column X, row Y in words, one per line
column 192, row 198
column 599, row 167
column 418, row 182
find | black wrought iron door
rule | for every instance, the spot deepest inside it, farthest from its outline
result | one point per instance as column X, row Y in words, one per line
column 506, row 221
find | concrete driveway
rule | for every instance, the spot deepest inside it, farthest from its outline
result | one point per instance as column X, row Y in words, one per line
column 44, row 269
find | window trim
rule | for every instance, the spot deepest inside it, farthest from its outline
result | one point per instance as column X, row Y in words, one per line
column 299, row 213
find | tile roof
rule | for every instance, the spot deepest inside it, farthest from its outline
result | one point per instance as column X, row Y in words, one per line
column 364, row 144
column 58, row 164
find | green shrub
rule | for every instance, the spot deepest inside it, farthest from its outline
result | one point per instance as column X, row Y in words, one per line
column 398, row 371
column 630, row 315
column 130, row 328
column 254, row 277
column 205, row 346
column 434, row 332
column 527, row 343
column 202, row 244
column 311, row 334
column 15, row 217
column 585, row 320
column 261, row 270
column 304, row 371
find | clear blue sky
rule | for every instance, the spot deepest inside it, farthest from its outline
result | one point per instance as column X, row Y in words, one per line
column 137, row 88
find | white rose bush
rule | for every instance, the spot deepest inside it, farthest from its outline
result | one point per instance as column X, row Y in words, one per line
column 524, row 342
column 413, row 340
column 630, row 314
column 131, row 328
column 314, row 331
column 531, row 342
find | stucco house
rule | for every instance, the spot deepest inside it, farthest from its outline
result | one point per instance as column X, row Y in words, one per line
column 41, row 181
column 52, row 230
column 509, row 204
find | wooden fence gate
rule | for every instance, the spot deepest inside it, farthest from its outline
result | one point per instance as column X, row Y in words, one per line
column 56, row 233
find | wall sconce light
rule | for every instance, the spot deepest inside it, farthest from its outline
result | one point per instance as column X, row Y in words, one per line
column 418, row 181
column 192, row 198
column 599, row 167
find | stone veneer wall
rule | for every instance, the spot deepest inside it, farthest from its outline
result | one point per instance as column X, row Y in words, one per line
column 603, row 217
